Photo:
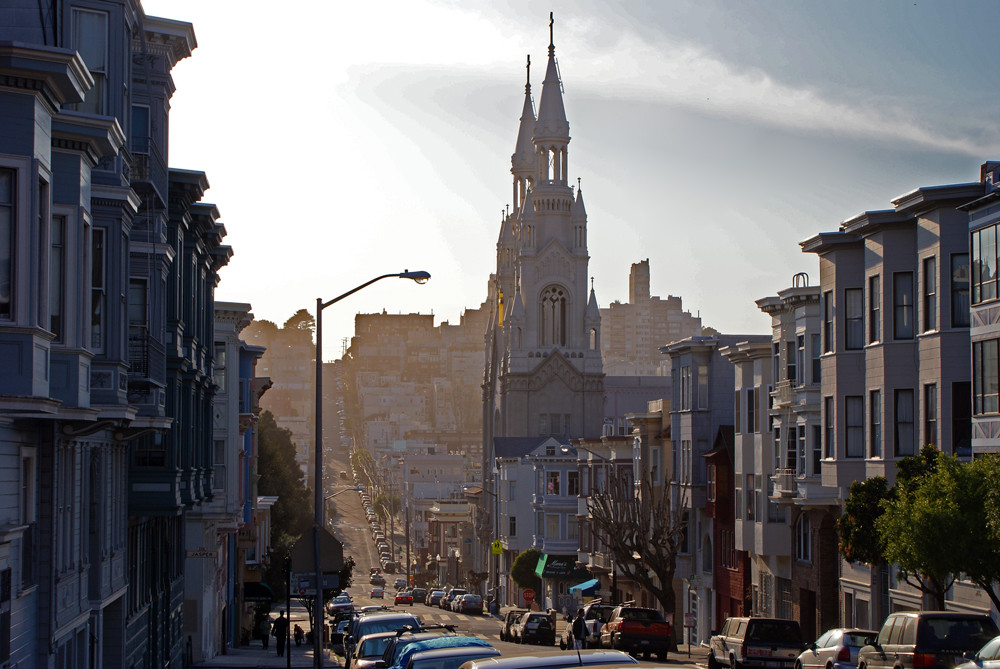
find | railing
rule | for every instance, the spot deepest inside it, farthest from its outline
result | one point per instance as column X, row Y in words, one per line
column 146, row 356
column 783, row 393
column 784, row 483
column 147, row 162
column 28, row 557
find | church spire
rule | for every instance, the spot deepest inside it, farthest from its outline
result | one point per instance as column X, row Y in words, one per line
column 551, row 128
column 522, row 162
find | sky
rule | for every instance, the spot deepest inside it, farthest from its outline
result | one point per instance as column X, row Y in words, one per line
column 346, row 140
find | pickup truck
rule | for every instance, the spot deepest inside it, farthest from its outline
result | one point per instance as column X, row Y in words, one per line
column 636, row 630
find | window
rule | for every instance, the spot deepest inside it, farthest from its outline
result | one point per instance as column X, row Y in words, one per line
column 961, row 418
column 984, row 264
column 572, row 528
column 828, row 321
column 960, row 290
column 90, row 39
column 930, row 414
column 751, row 498
column 140, row 138
column 790, row 361
column 710, row 483
column 573, row 483
column 791, row 448
column 7, row 189
column 686, row 459
column 902, row 305
column 512, row 526
column 800, row 359
column 904, row 422
column 816, row 353
column 803, row 545
column 751, row 411
column 817, row 449
column 685, row 388
column 552, row 526
column 874, row 308
column 551, row 483
column 930, row 294
column 553, row 316
column 801, row 467
column 57, row 287
column 985, row 376
column 702, row 386
column 854, row 318
column 776, row 362
column 98, row 290
column 777, row 448
column 756, row 406
column 828, row 425
column 736, row 411
column 875, row 411
column 854, row 417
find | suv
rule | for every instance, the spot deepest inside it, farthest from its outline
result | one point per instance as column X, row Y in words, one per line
column 746, row 643
column 926, row 640
column 374, row 623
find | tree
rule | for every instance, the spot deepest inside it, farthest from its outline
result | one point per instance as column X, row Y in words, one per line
column 363, row 463
column 859, row 540
column 644, row 531
column 386, row 505
column 281, row 476
column 300, row 320
column 522, row 572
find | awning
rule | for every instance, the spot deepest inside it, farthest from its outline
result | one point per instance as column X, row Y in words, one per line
column 257, row 592
column 586, row 585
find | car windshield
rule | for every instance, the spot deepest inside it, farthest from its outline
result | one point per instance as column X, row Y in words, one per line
column 963, row 634
column 645, row 615
column 775, row 631
column 373, row 647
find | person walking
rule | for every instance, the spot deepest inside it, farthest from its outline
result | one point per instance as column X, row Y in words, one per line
column 579, row 630
column 299, row 635
column 265, row 631
column 281, row 632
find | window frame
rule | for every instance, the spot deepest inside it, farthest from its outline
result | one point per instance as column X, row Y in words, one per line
column 903, row 327
column 854, row 319
column 900, row 425
column 930, row 295
column 961, row 306
column 854, row 426
column 875, row 423
column 874, row 308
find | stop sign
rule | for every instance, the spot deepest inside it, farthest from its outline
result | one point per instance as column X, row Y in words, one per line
column 529, row 594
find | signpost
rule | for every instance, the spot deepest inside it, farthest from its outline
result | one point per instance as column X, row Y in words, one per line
column 529, row 596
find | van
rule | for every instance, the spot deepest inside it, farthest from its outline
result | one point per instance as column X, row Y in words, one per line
column 926, row 640
column 756, row 643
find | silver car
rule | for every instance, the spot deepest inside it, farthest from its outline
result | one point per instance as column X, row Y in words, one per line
column 835, row 649
column 987, row 657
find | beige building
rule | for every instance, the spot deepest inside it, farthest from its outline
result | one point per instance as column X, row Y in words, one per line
column 633, row 331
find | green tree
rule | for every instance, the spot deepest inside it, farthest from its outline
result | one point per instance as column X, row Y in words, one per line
column 300, row 320
column 859, row 539
column 522, row 571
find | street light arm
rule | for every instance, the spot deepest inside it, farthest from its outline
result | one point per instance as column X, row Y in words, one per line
column 418, row 276
column 566, row 449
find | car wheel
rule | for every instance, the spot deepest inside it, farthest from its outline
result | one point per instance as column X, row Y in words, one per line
column 733, row 664
column 712, row 662
column 662, row 657
column 562, row 644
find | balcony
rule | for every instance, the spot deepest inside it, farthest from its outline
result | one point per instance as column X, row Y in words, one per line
column 146, row 357
column 784, row 484
column 147, row 162
column 783, row 394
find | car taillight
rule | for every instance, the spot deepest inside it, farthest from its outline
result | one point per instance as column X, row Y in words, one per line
column 743, row 649
column 844, row 655
column 924, row 659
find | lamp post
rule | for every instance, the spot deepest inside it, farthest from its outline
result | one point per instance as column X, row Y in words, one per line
column 565, row 448
column 419, row 277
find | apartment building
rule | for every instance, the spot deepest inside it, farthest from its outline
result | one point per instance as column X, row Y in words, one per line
column 894, row 323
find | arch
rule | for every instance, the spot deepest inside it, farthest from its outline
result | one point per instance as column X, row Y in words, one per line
column 553, row 309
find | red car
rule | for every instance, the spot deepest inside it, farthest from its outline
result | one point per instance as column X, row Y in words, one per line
column 404, row 597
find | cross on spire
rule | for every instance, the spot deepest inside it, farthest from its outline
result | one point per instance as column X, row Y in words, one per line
column 527, row 83
column 552, row 44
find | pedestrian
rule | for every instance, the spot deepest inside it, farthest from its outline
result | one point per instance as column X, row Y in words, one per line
column 579, row 630
column 265, row 631
column 281, row 632
column 298, row 635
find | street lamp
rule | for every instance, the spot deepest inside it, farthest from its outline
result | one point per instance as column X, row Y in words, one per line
column 419, row 277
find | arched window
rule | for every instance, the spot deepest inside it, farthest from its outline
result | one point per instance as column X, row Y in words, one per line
column 803, row 545
column 552, row 317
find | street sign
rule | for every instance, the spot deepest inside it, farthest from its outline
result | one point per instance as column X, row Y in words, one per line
column 529, row 595
column 688, row 620
column 496, row 547
column 303, row 585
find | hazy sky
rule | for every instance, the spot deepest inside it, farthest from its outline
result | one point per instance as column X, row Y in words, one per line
column 344, row 140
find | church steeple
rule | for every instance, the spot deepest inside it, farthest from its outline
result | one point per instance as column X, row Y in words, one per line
column 551, row 128
column 522, row 162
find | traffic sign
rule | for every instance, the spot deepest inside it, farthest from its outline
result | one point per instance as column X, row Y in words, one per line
column 528, row 595
column 496, row 547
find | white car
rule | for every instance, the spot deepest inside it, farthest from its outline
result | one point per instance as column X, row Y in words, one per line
column 377, row 593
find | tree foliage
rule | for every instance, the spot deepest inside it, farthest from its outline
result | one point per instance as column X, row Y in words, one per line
column 300, row 320
column 281, row 476
column 522, row 571
column 643, row 532
column 364, row 465
column 938, row 521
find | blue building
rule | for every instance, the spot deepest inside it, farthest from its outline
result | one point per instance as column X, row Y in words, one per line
column 108, row 264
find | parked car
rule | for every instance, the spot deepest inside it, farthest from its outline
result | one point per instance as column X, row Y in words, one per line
column 987, row 657
column 747, row 643
column 419, row 595
column 926, row 640
column 554, row 660
column 469, row 603
column 465, row 647
column 509, row 620
column 835, row 649
column 374, row 623
column 404, row 597
column 340, row 603
column 434, row 597
column 377, row 593
column 369, row 650
column 449, row 596
column 400, row 583
column 636, row 629
column 376, row 579
column 390, row 567
column 337, row 636
column 535, row 627
column 405, row 638
column 595, row 614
